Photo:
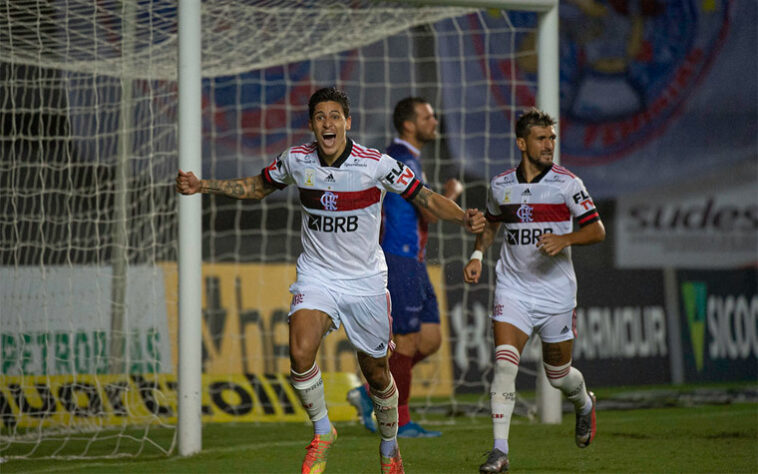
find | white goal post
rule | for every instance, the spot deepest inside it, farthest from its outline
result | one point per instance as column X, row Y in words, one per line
column 128, row 311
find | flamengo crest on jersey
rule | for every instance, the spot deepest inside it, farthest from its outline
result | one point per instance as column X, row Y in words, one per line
column 341, row 208
column 528, row 210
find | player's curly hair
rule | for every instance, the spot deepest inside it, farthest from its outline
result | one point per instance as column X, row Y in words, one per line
column 328, row 94
column 530, row 118
column 406, row 110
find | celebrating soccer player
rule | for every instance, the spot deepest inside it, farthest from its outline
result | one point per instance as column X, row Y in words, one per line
column 341, row 273
column 535, row 287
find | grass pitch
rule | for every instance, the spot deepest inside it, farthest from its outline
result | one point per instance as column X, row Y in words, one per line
column 711, row 438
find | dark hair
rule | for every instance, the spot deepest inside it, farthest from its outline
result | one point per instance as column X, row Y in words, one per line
column 328, row 94
column 530, row 118
column 406, row 110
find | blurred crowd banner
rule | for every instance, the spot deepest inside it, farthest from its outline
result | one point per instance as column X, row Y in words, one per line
column 652, row 92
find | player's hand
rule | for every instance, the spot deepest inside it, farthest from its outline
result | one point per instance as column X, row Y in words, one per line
column 474, row 221
column 187, row 183
column 551, row 244
column 452, row 189
column 472, row 271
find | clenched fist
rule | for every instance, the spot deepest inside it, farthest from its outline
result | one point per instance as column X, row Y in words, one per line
column 474, row 221
column 187, row 183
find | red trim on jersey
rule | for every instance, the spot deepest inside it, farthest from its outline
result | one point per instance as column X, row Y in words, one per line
column 588, row 218
column 343, row 200
column 366, row 152
column 266, row 175
column 412, row 189
column 304, row 149
column 540, row 213
column 505, row 172
column 561, row 170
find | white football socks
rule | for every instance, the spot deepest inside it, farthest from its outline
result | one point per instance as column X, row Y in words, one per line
column 570, row 381
column 385, row 409
column 309, row 387
column 503, row 393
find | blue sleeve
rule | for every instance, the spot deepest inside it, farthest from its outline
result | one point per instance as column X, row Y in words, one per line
column 404, row 233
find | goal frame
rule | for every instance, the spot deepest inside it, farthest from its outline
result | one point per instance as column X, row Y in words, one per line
column 189, row 75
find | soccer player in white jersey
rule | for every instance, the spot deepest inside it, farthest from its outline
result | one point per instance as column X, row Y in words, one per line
column 535, row 287
column 341, row 274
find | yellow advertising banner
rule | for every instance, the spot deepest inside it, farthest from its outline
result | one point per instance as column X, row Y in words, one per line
column 245, row 326
column 245, row 361
column 114, row 400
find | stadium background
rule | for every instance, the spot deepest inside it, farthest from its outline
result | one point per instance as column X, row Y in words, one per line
column 667, row 148
column 665, row 142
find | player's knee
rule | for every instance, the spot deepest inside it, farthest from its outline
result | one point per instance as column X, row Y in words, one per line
column 378, row 377
column 302, row 357
column 503, row 388
column 558, row 376
column 506, row 362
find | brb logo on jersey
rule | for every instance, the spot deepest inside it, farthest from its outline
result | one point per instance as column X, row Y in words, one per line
column 329, row 201
column 525, row 236
column 338, row 224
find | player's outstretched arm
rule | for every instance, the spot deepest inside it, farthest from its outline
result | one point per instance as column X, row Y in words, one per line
column 473, row 269
column 443, row 208
column 452, row 189
column 243, row 188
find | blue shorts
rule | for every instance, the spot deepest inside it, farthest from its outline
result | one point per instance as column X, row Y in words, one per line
column 412, row 294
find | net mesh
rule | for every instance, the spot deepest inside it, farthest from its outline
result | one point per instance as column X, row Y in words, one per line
column 88, row 98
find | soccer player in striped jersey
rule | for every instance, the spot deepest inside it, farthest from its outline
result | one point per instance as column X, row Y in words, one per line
column 341, row 273
column 535, row 287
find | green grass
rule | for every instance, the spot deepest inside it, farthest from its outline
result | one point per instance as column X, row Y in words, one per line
column 711, row 438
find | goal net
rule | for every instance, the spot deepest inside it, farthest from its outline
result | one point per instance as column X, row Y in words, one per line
column 88, row 248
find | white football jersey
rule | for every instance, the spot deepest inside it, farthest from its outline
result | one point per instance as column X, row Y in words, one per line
column 342, row 212
column 528, row 210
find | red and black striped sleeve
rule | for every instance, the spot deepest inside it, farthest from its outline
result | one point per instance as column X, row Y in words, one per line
column 266, row 175
column 412, row 190
column 588, row 218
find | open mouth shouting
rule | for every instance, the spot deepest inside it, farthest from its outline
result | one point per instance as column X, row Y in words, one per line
column 329, row 139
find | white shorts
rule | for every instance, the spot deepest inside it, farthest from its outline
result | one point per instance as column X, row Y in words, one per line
column 366, row 318
column 551, row 327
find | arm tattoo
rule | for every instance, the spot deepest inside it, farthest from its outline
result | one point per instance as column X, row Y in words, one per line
column 422, row 198
column 233, row 188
